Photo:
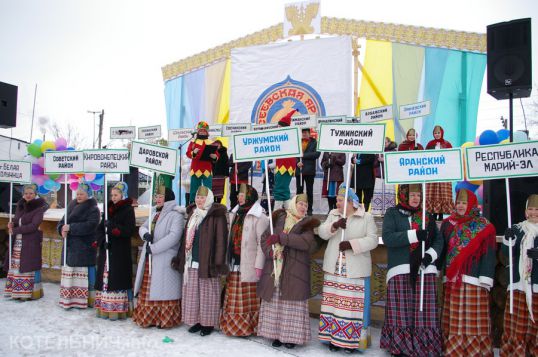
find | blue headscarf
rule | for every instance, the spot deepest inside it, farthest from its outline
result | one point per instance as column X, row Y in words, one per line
column 122, row 186
column 83, row 186
column 351, row 195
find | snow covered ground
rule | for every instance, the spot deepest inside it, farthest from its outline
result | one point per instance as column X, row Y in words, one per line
column 45, row 329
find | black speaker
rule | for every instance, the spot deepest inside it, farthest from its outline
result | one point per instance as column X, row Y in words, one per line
column 495, row 200
column 8, row 105
column 509, row 59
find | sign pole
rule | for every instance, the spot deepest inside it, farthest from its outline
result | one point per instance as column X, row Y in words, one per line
column 423, row 245
column 236, row 185
column 65, row 218
column 107, row 264
column 348, row 161
column 10, row 220
column 510, row 256
column 268, row 193
column 150, row 220
column 382, row 188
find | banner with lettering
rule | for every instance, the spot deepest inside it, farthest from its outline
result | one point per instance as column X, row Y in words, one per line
column 106, row 161
column 415, row 110
column 149, row 132
column 64, row 162
column 267, row 144
column 363, row 138
column 15, row 171
column 376, row 114
column 154, row 157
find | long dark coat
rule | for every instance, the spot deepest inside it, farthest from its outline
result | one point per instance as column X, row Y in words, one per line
column 363, row 174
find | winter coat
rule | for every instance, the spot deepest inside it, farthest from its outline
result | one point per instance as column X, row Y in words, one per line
column 121, row 227
column 310, row 159
column 28, row 217
column 220, row 167
column 252, row 258
column 298, row 243
column 212, row 246
column 83, row 219
column 336, row 162
column 363, row 174
column 165, row 282
column 361, row 232
column 242, row 170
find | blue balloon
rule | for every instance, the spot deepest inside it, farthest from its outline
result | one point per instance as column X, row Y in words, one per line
column 98, row 176
column 99, row 181
column 488, row 137
column 467, row 185
column 56, row 187
column 38, row 142
column 520, row 136
column 70, row 148
column 503, row 134
column 49, row 184
column 42, row 190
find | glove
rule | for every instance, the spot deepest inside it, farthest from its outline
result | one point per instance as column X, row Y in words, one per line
column 344, row 245
column 175, row 263
column 422, row 235
column 510, row 233
column 273, row 239
column 148, row 250
column 533, row 253
column 427, row 260
column 259, row 273
column 341, row 223
column 148, row 237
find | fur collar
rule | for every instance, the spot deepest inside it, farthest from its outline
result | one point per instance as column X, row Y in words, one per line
column 216, row 209
column 113, row 208
column 32, row 205
column 304, row 225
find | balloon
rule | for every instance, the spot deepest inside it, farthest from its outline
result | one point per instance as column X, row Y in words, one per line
column 34, row 150
column 520, row 136
column 467, row 144
column 79, row 175
column 61, row 148
column 56, row 187
column 54, row 176
column 48, row 145
column 38, row 142
column 49, row 184
column 95, row 187
column 480, row 194
column 98, row 176
column 89, row 177
column 37, row 170
column 73, row 186
column 42, row 190
column 61, row 178
column 70, row 148
column 488, row 137
column 477, row 140
column 505, row 141
column 503, row 134
column 41, row 162
column 39, row 179
column 476, row 182
column 60, row 142
column 467, row 185
column 99, row 181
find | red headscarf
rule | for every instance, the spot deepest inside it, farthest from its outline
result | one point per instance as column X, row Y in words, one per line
column 442, row 142
column 407, row 144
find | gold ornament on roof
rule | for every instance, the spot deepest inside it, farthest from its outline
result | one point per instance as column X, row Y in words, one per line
column 300, row 18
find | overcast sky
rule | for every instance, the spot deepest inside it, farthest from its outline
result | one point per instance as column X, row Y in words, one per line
column 104, row 54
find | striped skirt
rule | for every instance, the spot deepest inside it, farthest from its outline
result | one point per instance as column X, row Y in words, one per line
column 241, row 307
column 24, row 286
column 201, row 300
column 520, row 336
column 406, row 329
column 284, row 320
column 113, row 305
column 439, row 197
column 160, row 313
column 466, row 321
column 218, row 184
column 77, row 287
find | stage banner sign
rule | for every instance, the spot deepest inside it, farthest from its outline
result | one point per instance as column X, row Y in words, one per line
column 363, row 138
column 230, row 129
column 501, row 161
column 15, row 171
column 64, row 162
column 180, row 135
column 154, row 157
column 215, row 130
column 268, row 144
column 304, row 121
column 107, row 161
column 423, row 166
column 415, row 110
column 123, row 132
column 376, row 114
column 263, row 127
column 149, row 132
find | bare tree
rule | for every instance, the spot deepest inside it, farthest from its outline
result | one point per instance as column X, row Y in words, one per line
column 70, row 133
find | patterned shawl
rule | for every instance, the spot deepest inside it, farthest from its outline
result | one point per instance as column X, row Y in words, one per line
column 239, row 219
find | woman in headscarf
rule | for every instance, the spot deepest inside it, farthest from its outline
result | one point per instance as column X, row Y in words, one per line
column 24, row 275
column 114, row 298
column 202, row 260
column 333, row 176
column 470, row 269
column 439, row 194
column 245, row 257
column 520, row 335
column 284, row 286
column 159, row 290
column 410, row 142
column 78, row 275
column 346, row 289
column 407, row 330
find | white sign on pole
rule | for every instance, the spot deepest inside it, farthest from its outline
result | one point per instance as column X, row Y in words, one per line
column 106, row 161
column 304, row 121
column 149, row 132
column 423, row 166
column 331, row 120
column 262, row 127
column 276, row 143
column 363, row 138
column 154, row 157
column 215, row 130
column 123, row 132
column 502, row 160
column 15, row 171
column 180, row 135
column 415, row 110
column 64, row 162
column 230, row 129
column 376, row 114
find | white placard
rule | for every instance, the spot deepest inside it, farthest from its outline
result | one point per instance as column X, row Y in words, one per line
column 304, row 121
column 149, row 132
column 154, row 157
column 423, row 166
column 415, row 110
column 363, row 138
column 123, row 132
column 262, row 127
column 376, row 114
column 269, row 144
column 331, row 120
column 15, row 171
column 351, row 120
column 180, row 135
column 500, row 161
column 230, row 129
column 106, row 161
column 64, row 162
column 215, row 130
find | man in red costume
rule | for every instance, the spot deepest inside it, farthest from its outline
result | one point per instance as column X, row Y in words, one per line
column 201, row 169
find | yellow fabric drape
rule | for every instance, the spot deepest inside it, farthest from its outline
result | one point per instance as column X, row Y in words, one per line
column 224, row 112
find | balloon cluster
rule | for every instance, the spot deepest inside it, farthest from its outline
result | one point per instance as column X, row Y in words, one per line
column 94, row 180
column 51, row 182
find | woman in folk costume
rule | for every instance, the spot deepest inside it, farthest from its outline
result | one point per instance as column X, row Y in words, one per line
column 201, row 168
column 24, row 275
column 159, row 291
column 245, row 256
column 407, row 331
column 520, row 336
column 470, row 269
column 202, row 260
column 345, row 305
column 333, row 171
column 410, row 142
column 284, row 171
column 284, row 286
column 114, row 298
column 439, row 194
column 78, row 275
